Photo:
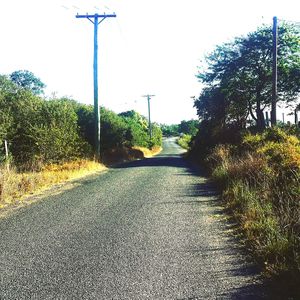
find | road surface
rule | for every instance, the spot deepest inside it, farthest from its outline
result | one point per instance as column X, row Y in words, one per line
column 149, row 229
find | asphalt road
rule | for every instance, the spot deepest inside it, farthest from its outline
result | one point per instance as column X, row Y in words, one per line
column 149, row 229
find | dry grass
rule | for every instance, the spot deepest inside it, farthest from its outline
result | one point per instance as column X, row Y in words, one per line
column 14, row 186
column 148, row 152
column 123, row 154
column 261, row 186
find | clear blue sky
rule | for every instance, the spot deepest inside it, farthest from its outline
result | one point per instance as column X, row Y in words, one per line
column 153, row 46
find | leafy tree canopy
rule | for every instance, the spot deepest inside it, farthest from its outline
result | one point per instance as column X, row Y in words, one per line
column 238, row 76
column 28, row 80
column 189, row 127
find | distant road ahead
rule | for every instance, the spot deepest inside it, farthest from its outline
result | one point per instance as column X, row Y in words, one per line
column 149, row 229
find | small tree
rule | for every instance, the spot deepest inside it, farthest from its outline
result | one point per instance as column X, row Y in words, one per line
column 28, row 80
column 241, row 73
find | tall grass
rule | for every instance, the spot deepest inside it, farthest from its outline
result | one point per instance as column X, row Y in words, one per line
column 14, row 185
column 260, row 180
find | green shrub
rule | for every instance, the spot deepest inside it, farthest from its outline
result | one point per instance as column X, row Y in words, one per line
column 261, row 185
column 184, row 141
column 41, row 131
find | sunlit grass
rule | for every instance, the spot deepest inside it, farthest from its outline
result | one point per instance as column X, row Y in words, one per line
column 261, row 186
column 14, row 186
column 148, row 152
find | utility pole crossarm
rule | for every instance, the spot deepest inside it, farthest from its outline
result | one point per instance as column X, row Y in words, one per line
column 96, row 15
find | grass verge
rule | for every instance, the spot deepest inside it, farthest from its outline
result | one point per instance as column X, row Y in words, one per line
column 123, row 154
column 15, row 187
column 148, row 152
column 260, row 183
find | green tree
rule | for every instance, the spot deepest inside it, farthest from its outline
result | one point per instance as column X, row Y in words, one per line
column 113, row 130
column 136, row 117
column 53, row 131
column 156, row 136
column 137, row 129
column 56, row 134
column 170, row 130
column 25, row 108
column 241, row 73
column 6, row 116
column 46, row 132
column 189, row 127
column 28, row 80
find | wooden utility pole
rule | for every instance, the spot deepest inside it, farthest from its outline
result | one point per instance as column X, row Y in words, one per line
column 274, row 72
column 149, row 116
column 96, row 20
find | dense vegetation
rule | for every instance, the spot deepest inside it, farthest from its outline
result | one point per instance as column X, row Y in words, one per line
column 256, row 167
column 185, row 127
column 238, row 78
column 260, row 178
column 184, row 141
column 41, row 131
column 185, row 131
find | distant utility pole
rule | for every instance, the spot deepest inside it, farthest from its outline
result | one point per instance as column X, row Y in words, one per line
column 149, row 116
column 274, row 72
column 96, row 20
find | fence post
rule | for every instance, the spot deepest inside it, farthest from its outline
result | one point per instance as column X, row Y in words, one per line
column 6, row 154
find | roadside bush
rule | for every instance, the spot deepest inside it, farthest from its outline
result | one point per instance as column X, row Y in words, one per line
column 261, row 185
column 184, row 141
column 41, row 131
column 189, row 127
column 156, row 136
column 113, row 130
column 46, row 132
column 138, row 131
column 211, row 134
column 6, row 116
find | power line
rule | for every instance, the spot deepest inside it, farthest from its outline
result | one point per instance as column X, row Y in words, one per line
column 96, row 20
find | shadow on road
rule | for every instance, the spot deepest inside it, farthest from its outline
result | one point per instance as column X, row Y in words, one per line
column 165, row 160
column 158, row 161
